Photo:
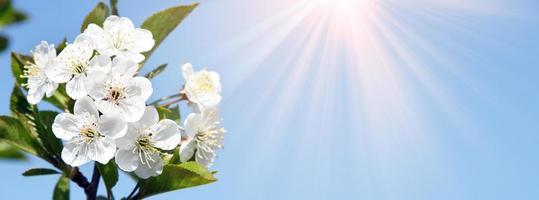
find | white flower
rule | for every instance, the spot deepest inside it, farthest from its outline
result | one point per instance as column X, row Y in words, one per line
column 202, row 87
column 139, row 149
column 76, row 68
column 38, row 83
column 203, row 134
column 119, row 37
column 119, row 92
column 88, row 135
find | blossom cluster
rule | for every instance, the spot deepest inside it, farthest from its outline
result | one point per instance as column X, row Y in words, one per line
column 110, row 117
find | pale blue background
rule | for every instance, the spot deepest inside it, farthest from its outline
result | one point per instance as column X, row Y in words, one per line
column 485, row 146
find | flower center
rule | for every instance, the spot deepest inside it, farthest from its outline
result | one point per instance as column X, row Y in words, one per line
column 115, row 94
column 31, row 70
column 145, row 149
column 79, row 68
column 208, row 137
column 89, row 135
column 204, row 83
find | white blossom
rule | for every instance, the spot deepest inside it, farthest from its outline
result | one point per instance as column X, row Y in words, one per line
column 88, row 136
column 203, row 135
column 202, row 88
column 38, row 82
column 119, row 37
column 121, row 93
column 139, row 149
column 76, row 68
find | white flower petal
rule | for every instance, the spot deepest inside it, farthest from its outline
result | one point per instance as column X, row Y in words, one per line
column 149, row 118
column 59, row 73
column 103, row 150
column 205, row 158
column 96, row 34
column 35, row 95
column 143, row 40
column 44, row 53
column 50, row 87
column 127, row 142
column 192, row 122
column 112, row 126
column 167, row 136
column 124, row 66
column 65, row 126
column 76, row 88
column 187, row 149
column 132, row 111
column 131, row 55
column 75, row 154
column 85, row 105
column 156, row 167
column 115, row 23
column 141, row 88
column 187, row 71
column 127, row 160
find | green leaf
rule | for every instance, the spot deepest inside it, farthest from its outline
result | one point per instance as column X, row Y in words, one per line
column 14, row 133
column 156, row 71
column 175, row 177
column 3, row 42
column 39, row 172
column 47, row 136
column 169, row 113
column 10, row 153
column 17, row 67
column 61, row 46
column 37, row 126
column 114, row 6
column 109, row 172
column 9, row 15
column 164, row 22
column 61, row 190
column 96, row 16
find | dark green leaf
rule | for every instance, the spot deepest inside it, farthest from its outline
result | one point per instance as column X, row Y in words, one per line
column 156, row 71
column 39, row 172
column 164, row 22
column 14, row 133
column 96, row 16
column 114, row 6
column 9, row 15
column 109, row 172
column 61, row 190
column 17, row 66
column 47, row 136
column 9, row 152
column 3, row 42
column 175, row 177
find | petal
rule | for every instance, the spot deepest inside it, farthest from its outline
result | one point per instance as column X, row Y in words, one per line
column 85, row 105
column 192, row 122
column 99, row 63
column 115, row 23
column 131, row 111
column 74, row 154
column 127, row 142
column 150, row 117
column 187, row 71
column 59, row 73
column 187, row 149
column 103, row 150
column 127, row 160
column 141, row 88
column 131, row 55
column 96, row 35
column 65, row 126
column 97, row 89
column 43, row 53
column 76, row 88
column 205, row 158
column 142, row 41
column 156, row 167
column 35, row 94
column 50, row 87
column 124, row 66
column 167, row 136
column 112, row 126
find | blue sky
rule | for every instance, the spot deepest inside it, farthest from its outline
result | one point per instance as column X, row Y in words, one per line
column 386, row 99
